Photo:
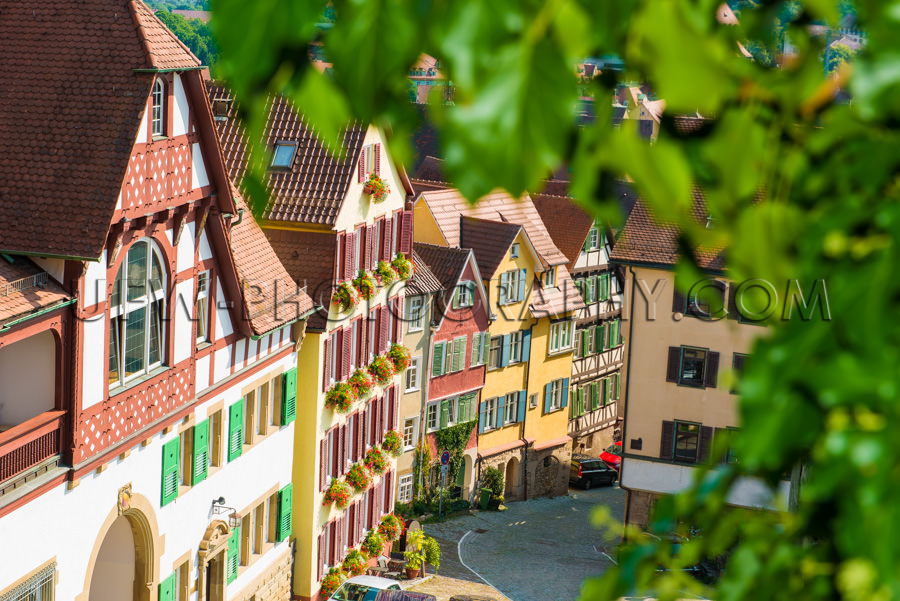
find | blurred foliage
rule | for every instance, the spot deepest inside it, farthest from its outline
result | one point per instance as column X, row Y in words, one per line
column 823, row 393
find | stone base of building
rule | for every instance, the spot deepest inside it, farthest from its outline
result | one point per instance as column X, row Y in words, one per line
column 593, row 442
column 546, row 472
column 272, row 585
column 638, row 506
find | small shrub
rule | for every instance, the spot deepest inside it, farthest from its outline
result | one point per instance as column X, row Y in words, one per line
column 373, row 544
column 331, row 582
column 492, row 479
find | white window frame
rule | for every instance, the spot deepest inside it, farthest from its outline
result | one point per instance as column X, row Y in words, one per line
column 490, row 414
column 404, row 488
column 561, row 336
column 514, row 251
column 511, row 408
column 202, row 306
column 593, row 238
column 463, row 295
column 509, row 286
column 432, row 414
column 410, row 426
column 354, row 337
column 415, row 314
column 413, row 372
column 557, row 387
column 333, row 360
column 495, row 364
column 515, row 346
column 550, row 278
column 158, row 109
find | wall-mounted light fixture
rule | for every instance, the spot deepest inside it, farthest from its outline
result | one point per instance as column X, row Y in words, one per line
column 219, row 507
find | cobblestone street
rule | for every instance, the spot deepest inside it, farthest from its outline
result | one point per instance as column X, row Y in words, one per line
column 538, row 550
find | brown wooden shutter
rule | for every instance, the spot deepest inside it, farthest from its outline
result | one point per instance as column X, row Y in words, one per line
column 362, row 351
column 395, row 407
column 379, row 428
column 348, row 257
column 327, row 362
column 674, row 364
column 335, row 452
column 706, row 434
column 732, row 302
column 362, row 166
column 347, row 450
column 712, row 369
column 360, row 434
column 346, row 333
column 678, row 304
column 667, row 441
column 389, row 395
column 323, row 449
column 371, row 500
column 365, row 245
column 406, row 232
column 377, row 153
column 383, row 337
column 338, row 260
column 386, row 240
column 320, row 570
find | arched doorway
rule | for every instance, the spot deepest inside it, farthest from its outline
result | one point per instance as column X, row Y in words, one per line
column 512, row 479
column 121, row 569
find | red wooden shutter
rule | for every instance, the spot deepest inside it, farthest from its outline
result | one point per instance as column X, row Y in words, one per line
column 395, row 407
column 320, row 571
column 345, row 352
column 360, row 434
column 386, row 240
column 362, row 167
column 347, row 444
column 406, row 232
column 366, row 258
column 327, row 362
column 323, row 452
column 383, row 337
column 674, row 364
column 335, row 452
column 373, row 246
column 348, row 257
column 362, row 352
column 377, row 153
column 371, row 500
column 377, row 341
column 338, row 260
column 381, row 415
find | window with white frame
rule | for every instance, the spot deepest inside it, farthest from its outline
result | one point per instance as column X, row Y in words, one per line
column 511, row 409
column 480, row 346
column 490, row 414
column 511, row 287
column 415, row 313
column 464, row 295
column 412, row 374
column 515, row 346
column 405, row 487
column 202, row 308
column 561, row 334
column 137, row 314
column 593, row 239
column 158, row 113
column 495, row 353
column 514, row 251
column 557, row 389
column 335, row 350
column 550, row 277
column 410, row 429
column 431, row 417
column 357, row 242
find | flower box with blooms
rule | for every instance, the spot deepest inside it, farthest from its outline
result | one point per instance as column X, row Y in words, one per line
column 345, row 296
column 365, row 285
column 359, row 477
column 355, row 563
column 362, row 382
column 376, row 461
column 373, row 545
column 385, row 273
column 383, row 369
column 332, row 580
column 399, row 356
column 338, row 493
column 376, row 187
column 340, row 397
column 403, row 266
column 392, row 444
column 391, row 527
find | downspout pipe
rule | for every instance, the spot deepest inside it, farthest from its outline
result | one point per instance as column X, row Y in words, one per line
column 630, row 343
column 525, row 417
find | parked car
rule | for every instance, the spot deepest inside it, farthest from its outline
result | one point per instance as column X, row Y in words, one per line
column 612, row 455
column 363, row 588
column 393, row 595
column 587, row 472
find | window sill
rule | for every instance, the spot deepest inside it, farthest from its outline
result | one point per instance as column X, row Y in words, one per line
column 560, row 352
column 203, row 344
column 696, row 386
column 412, row 330
column 138, row 381
column 159, row 138
column 408, row 390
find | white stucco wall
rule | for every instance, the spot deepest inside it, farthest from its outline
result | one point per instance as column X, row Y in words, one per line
column 199, row 178
column 184, row 343
column 223, row 317
column 94, row 355
column 180, row 109
column 205, row 250
column 185, row 258
column 95, row 282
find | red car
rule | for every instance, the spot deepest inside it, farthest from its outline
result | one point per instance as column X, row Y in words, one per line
column 612, row 456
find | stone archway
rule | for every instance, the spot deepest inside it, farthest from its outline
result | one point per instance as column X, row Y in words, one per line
column 212, row 557
column 511, row 476
column 122, row 567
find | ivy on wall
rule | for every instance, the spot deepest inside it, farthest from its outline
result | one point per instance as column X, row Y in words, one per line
column 454, row 439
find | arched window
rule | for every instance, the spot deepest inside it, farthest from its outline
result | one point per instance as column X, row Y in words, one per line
column 158, row 116
column 136, row 320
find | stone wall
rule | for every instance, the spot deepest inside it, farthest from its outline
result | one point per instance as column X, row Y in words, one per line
column 638, row 507
column 548, row 472
column 274, row 584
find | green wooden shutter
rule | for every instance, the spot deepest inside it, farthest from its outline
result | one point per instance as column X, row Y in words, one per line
column 167, row 588
column 486, row 348
column 607, row 390
column 618, row 384
column 600, row 338
column 459, row 354
column 437, row 362
column 476, row 348
column 285, row 499
column 170, row 462
column 445, row 413
column 289, row 396
column 236, row 430
column 585, row 339
column 233, row 555
column 454, row 302
column 201, row 451
column 595, row 396
column 504, row 296
column 603, row 285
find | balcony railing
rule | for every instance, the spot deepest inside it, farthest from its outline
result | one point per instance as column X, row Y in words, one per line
column 27, row 444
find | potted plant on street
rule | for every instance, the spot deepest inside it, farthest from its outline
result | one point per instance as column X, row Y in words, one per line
column 414, row 555
column 432, row 551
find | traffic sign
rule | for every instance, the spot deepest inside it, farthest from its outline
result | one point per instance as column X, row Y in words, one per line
column 445, row 457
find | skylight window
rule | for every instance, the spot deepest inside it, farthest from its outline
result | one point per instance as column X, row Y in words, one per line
column 284, row 155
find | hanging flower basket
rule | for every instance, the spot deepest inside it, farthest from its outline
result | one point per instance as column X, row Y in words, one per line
column 392, row 444
column 383, row 369
column 365, row 285
column 376, row 187
column 338, row 493
column 362, row 382
column 376, row 461
column 359, row 477
column 391, row 527
column 403, row 266
column 385, row 273
column 340, row 397
column 354, row 564
column 399, row 356
column 373, row 545
column 345, row 296
column 331, row 582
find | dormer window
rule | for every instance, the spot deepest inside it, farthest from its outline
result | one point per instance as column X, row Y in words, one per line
column 514, row 251
column 550, row 278
column 284, row 155
column 158, row 115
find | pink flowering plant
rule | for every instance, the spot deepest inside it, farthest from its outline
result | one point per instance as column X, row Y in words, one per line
column 359, row 477
column 391, row 527
column 340, row 397
column 385, row 273
column 338, row 493
column 355, row 563
column 376, row 187
column 403, row 266
column 365, row 285
column 362, row 382
column 376, row 461
column 392, row 444
column 399, row 356
column 331, row 582
column 345, row 296
column 382, row 368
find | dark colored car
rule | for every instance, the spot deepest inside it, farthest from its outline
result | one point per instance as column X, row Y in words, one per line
column 612, row 456
column 587, row 472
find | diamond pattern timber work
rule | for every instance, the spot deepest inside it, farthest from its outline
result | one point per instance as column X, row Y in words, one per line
column 158, row 174
column 117, row 418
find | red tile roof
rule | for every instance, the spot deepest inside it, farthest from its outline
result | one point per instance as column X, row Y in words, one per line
column 72, row 104
column 562, row 298
column 309, row 259
column 447, row 265
column 270, row 295
column 489, row 240
column 423, row 281
column 26, row 288
column 314, row 188
column 567, row 223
